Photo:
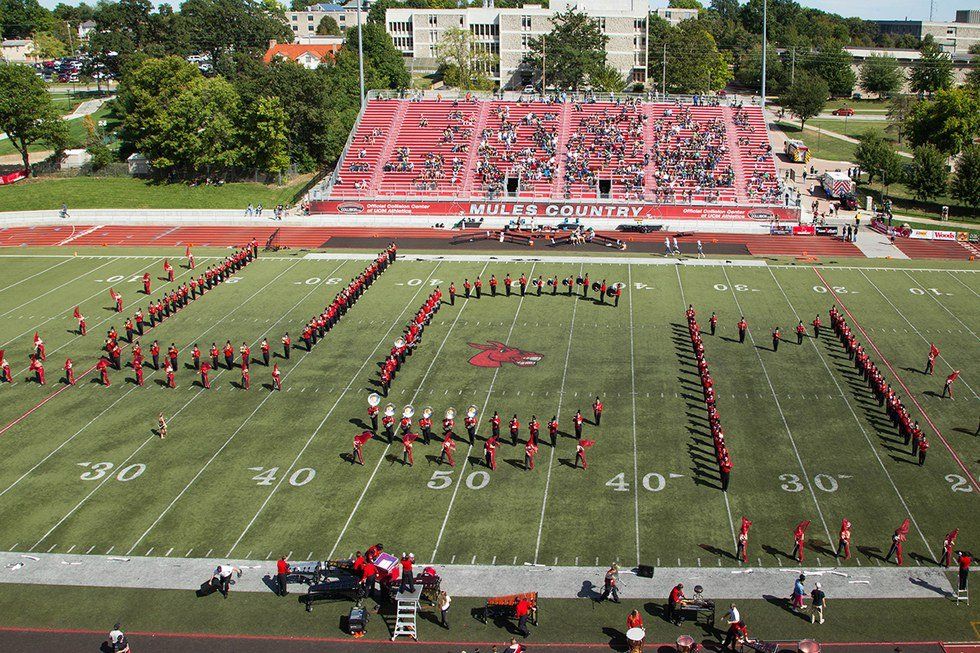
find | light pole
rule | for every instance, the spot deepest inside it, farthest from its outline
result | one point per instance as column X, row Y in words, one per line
column 360, row 50
column 764, row 47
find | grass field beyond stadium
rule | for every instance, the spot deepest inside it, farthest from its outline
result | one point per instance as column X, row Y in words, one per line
column 255, row 474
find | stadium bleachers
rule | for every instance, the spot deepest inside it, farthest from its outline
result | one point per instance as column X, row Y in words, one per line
column 631, row 150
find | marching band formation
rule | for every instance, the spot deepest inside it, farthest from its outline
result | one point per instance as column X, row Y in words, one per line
column 602, row 290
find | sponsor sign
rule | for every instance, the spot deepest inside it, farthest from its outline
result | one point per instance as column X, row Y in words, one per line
column 944, row 235
column 516, row 209
column 804, row 230
column 781, row 230
column 13, row 176
column 921, row 234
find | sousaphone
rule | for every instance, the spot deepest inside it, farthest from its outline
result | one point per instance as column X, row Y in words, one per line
column 390, row 410
column 472, row 411
column 427, row 412
column 374, row 399
column 408, row 412
column 450, row 413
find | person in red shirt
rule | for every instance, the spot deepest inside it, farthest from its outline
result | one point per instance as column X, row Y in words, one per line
column 408, row 573
column 490, row 452
column 38, row 368
column 515, row 427
column 478, row 285
column 775, row 338
column 5, row 374
column 580, row 448
column 138, row 370
column 725, row 466
column 146, row 283
column 213, row 352
column 964, row 560
column 369, row 575
column 530, row 449
column 265, row 351
column 276, row 377
column 246, row 380
column 205, row 382
column 103, row 367
column 634, row 620
column 577, row 420
column 800, row 332
column 948, row 388
column 493, row 286
column 169, row 269
column 172, row 354
column 229, row 353
column 507, row 284
column 522, row 611
column 553, row 430
column 358, row 453
column 533, row 428
column 931, row 360
column 466, row 288
column 816, row 327
column 374, row 551
column 737, row 633
column 286, row 344
column 448, row 447
column 169, row 369
column 282, row 569
column 119, row 302
column 844, row 540
column 743, row 328
column 713, row 322
column 495, row 425
column 948, row 543
column 597, row 411
column 196, row 357
column 39, row 347
column 69, row 372
column 407, row 440
column 452, row 293
column 674, row 599
column 82, row 327
column 923, row 447
column 246, row 352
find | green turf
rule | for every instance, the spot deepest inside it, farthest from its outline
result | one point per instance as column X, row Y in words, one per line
column 128, row 193
column 223, row 443
column 854, row 128
column 77, row 134
column 571, row 620
column 821, row 146
column 859, row 106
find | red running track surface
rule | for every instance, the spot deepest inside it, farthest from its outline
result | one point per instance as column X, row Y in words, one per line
column 932, row 249
column 219, row 236
column 757, row 244
column 37, row 236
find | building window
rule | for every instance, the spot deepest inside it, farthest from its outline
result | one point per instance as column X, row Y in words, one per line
column 525, row 23
column 525, row 41
column 433, row 36
column 639, row 24
column 309, row 18
column 433, row 20
column 602, row 23
column 295, row 28
column 294, row 17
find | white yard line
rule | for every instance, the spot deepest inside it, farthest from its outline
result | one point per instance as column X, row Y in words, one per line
column 953, row 277
column 171, row 418
column 466, row 459
column 728, row 505
column 36, row 274
column 916, row 331
column 241, row 426
column 857, row 420
column 636, row 464
column 779, row 407
column 59, row 287
column 941, row 305
column 561, row 397
column 374, row 472
column 354, row 378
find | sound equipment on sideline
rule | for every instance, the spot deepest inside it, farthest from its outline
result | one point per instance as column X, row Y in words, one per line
column 357, row 621
column 645, row 571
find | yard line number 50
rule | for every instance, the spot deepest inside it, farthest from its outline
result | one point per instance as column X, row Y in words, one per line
column 476, row 480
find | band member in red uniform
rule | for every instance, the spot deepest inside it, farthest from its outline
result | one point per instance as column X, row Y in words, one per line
column 69, row 372
column 602, row 292
column 585, row 286
column 229, row 353
column 448, row 424
column 495, row 425
column 138, row 371
column 39, row 347
column 205, row 382
column 580, row 448
column 898, row 538
column 597, row 411
column 286, row 343
column 168, row 368
column 515, row 427
column 38, row 368
column 923, row 447
column 533, row 428
column 5, row 374
column 103, row 367
column 577, row 421
column 799, row 540
column 743, row 327
column 405, row 424
column 276, row 377
column 359, row 441
column 373, row 414
column 196, row 357
column 800, row 332
column 407, row 439
column 493, row 286
column 169, row 269
column 741, row 550
column 466, row 288
column 246, row 354
column 265, row 351
column 530, row 449
column 713, row 322
column 190, row 258
column 553, row 430
column 146, row 283
column 246, row 378
column 470, row 424
column 388, row 422
column 172, row 352
column 507, row 283
column 816, row 327
column 844, row 540
column 948, row 387
column 448, row 447
column 117, row 297
column 931, row 360
column 490, row 452
column 775, row 338
column 478, row 285
column 452, row 293
column 949, row 542
column 725, row 470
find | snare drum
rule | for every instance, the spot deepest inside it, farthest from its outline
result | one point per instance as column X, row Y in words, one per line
column 635, row 638
column 685, row 643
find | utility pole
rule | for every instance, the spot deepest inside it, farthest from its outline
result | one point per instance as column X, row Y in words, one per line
column 765, row 44
column 544, row 64
column 792, row 68
column 663, row 74
column 360, row 50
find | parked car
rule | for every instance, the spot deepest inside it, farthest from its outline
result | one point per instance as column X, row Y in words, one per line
column 844, row 111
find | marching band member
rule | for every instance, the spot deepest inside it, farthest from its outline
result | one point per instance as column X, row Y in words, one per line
column 374, row 402
column 69, row 372
column 577, row 421
column 425, row 424
column 478, row 285
column 388, row 422
column 775, row 338
column 816, row 327
column 523, row 283
column 265, row 351
column 580, row 448
column 448, row 447
column 490, row 452
column 138, row 371
column 470, row 423
column 800, row 331
column 452, row 293
column 229, row 353
column 276, row 377
column 495, row 425
column 39, row 347
column 146, row 283
column 407, row 439
column 214, row 356
column 205, row 382
column 515, row 427
column 553, row 430
column 405, row 424
column 286, row 343
column 246, row 378
column 169, row 269
column 743, row 327
column 597, row 411
column 533, row 427
column 948, row 543
column 507, row 282
column 128, row 326
column 931, row 361
column 713, row 322
column 948, row 387
column 493, row 286
column 530, row 449
column 172, row 353
column 359, row 441
column 449, row 422
column 169, row 369
column 844, row 540
column 5, row 375
column 38, row 368
column 103, row 367
column 466, row 288
column 196, row 357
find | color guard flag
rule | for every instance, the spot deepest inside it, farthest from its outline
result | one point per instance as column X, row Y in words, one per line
column 746, row 524
column 903, row 530
column 77, row 314
column 801, row 528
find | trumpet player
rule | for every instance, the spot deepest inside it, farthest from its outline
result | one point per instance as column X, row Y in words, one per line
column 406, row 422
column 470, row 423
column 425, row 424
column 388, row 422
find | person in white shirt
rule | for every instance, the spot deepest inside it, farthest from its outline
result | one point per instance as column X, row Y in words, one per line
column 223, row 575
column 117, row 640
column 733, row 616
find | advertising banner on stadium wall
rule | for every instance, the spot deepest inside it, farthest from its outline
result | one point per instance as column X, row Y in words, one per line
column 508, row 209
column 921, row 234
column 14, row 176
column 944, row 235
column 804, row 230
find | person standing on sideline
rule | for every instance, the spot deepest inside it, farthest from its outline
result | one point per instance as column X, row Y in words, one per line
column 964, row 560
column 523, row 611
column 117, row 640
column 634, row 620
column 796, row 598
column 818, row 601
column 444, row 602
column 700, row 249
column 222, row 576
column 611, row 584
column 674, row 599
column 408, row 573
column 282, row 568
column 732, row 616
column 737, row 633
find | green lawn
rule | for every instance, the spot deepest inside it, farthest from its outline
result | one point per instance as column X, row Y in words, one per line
column 853, row 128
column 129, row 193
column 805, row 447
column 859, row 106
column 821, row 146
column 76, row 133
column 903, row 203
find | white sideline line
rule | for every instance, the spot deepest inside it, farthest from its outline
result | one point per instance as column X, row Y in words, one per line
column 466, row 459
column 857, row 420
column 350, row 518
column 242, row 425
column 153, row 437
column 782, row 415
column 916, row 331
column 36, row 274
column 561, row 397
column 319, row 427
column 728, row 505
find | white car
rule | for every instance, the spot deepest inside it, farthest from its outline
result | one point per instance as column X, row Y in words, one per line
column 529, row 90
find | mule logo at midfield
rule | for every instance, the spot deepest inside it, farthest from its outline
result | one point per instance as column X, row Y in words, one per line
column 495, row 354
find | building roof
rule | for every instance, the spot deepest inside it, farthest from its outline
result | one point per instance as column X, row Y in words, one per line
column 16, row 43
column 294, row 51
column 326, row 6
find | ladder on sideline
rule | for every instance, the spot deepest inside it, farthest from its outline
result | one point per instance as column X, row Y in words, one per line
column 407, row 608
column 962, row 595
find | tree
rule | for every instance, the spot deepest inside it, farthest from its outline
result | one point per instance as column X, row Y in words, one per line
column 607, row 79
column 805, row 98
column 328, row 27
column 298, row 5
column 834, row 66
column 48, row 46
column 145, row 94
column 19, row 19
column 694, row 63
column 246, row 25
column 966, row 181
column 877, row 158
column 267, row 135
column 898, row 110
column 933, row 71
column 928, row 174
column 950, row 120
column 27, row 115
column 385, row 59
column 881, row 74
column 573, row 50
column 463, row 62
column 685, row 4
column 749, row 71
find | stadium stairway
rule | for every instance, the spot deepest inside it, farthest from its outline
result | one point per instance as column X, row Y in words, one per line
column 391, row 138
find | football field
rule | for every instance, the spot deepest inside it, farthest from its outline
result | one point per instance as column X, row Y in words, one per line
column 256, row 474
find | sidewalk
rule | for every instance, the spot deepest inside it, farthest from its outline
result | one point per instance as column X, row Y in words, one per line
column 487, row 580
column 874, row 244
